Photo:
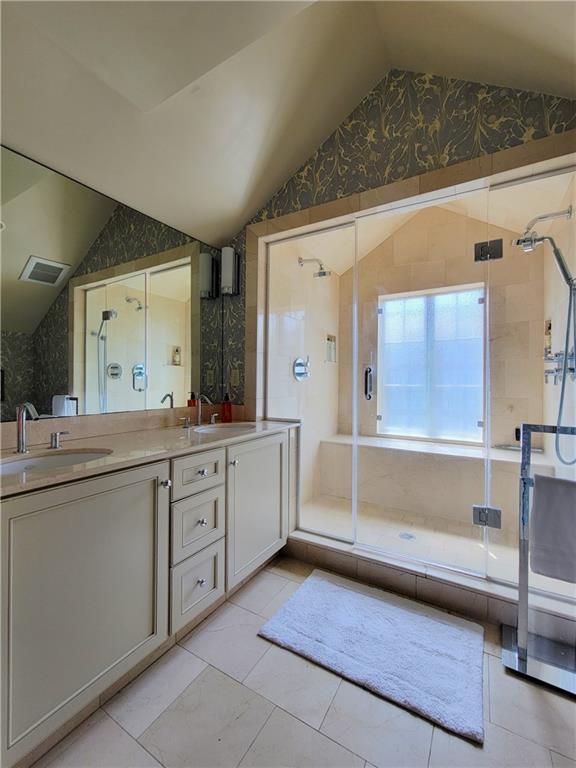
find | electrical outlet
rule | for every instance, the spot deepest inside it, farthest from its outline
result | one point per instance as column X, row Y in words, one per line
column 210, row 377
column 234, row 377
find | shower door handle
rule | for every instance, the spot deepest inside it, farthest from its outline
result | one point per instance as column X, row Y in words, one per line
column 368, row 381
column 139, row 382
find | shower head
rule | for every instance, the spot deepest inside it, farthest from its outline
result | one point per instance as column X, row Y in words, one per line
column 528, row 242
column 322, row 271
column 132, row 299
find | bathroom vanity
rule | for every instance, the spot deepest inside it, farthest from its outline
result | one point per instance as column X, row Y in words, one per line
column 100, row 572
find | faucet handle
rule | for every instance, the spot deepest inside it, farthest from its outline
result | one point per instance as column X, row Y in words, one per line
column 55, row 438
column 187, row 423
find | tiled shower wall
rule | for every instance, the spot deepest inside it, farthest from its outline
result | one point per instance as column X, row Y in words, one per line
column 433, row 249
column 407, row 125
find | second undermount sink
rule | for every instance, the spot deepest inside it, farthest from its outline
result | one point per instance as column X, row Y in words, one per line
column 59, row 458
column 227, row 429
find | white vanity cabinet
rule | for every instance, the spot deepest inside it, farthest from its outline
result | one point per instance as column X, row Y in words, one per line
column 98, row 573
column 257, row 504
column 84, row 596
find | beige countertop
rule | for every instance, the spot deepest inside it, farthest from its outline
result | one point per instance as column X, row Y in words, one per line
column 127, row 449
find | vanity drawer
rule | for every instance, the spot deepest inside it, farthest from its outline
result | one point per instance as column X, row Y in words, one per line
column 198, row 472
column 196, row 583
column 197, row 522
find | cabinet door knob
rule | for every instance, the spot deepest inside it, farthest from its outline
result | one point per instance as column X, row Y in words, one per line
column 235, row 463
column 203, row 522
column 203, row 472
column 201, row 582
column 166, row 483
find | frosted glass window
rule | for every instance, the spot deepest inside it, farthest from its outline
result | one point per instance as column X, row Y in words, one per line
column 431, row 364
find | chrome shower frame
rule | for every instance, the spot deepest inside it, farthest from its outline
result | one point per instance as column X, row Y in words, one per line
column 531, row 654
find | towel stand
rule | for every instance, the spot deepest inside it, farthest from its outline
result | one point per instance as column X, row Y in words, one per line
column 533, row 655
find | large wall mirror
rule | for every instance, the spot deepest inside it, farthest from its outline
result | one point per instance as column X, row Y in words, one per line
column 103, row 309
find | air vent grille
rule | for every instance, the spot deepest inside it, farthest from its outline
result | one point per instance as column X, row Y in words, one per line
column 44, row 271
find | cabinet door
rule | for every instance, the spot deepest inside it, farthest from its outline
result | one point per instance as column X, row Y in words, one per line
column 257, row 509
column 84, row 596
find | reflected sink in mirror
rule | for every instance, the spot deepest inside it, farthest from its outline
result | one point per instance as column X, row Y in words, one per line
column 49, row 461
column 227, row 429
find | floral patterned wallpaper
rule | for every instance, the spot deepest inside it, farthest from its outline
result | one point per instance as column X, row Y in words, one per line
column 17, row 360
column 36, row 365
column 407, row 125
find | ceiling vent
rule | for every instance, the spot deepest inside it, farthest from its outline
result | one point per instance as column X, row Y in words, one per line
column 44, row 271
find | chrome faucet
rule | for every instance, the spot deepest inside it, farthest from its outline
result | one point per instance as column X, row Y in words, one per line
column 199, row 407
column 168, row 396
column 21, row 412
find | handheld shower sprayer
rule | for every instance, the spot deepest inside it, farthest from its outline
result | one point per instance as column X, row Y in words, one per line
column 529, row 241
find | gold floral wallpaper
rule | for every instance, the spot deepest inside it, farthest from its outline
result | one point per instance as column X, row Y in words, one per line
column 409, row 124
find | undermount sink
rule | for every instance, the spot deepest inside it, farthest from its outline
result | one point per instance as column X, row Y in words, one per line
column 226, row 429
column 49, row 461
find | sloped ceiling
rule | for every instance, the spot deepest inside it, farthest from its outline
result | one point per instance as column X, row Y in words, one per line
column 196, row 113
column 45, row 215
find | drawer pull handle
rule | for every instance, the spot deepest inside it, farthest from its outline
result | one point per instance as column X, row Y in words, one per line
column 166, row 483
column 201, row 582
column 235, row 463
column 203, row 472
column 203, row 522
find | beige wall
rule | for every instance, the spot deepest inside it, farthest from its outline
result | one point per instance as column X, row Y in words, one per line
column 435, row 248
column 302, row 311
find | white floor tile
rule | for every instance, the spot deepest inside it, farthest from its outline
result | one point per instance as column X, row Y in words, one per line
column 285, row 742
column 259, row 591
column 277, row 602
column 140, row 703
column 229, row 640
column 501, row 749
column 211, row 724
column 377, row 730
column 98, row 743
column 295, row 684
column 532, row 710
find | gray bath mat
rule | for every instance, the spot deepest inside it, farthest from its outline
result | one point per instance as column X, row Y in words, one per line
column 423, row 659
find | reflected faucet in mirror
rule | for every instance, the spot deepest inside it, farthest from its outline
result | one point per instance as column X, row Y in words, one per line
column 168, row 396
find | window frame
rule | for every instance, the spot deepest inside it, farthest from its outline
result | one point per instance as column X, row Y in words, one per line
column 459, row 288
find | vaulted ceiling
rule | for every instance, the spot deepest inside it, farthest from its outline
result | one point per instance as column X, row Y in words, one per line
column 195, row 113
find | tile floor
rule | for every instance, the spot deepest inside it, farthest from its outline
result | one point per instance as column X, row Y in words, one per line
column 225, row 697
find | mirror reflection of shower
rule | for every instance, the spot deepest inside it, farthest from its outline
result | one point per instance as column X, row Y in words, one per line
column 101, row 341
column 565, row 361
column 132, row 299
column 322, row 271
